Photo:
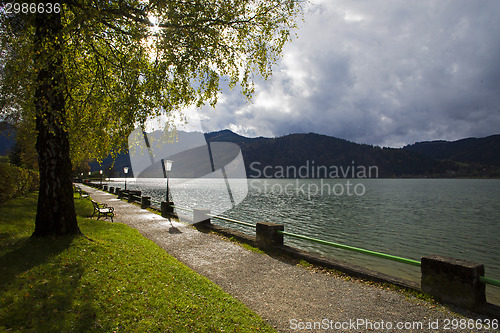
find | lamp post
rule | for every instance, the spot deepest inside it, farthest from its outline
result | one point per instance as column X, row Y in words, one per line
column 125, row 170
column 166, row 166
column 100, row 171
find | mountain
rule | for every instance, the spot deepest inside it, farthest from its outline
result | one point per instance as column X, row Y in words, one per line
column 319, row 156
column 322, row 156
column 113, row 169
column 485, row 151
column 229, row 136
column 7, row 138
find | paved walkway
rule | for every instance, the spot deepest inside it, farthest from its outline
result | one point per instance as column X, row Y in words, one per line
column 288, row 297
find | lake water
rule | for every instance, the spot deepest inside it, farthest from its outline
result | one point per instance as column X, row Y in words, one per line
column 409, row 218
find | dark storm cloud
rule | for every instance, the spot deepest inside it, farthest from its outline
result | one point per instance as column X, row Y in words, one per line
column 380, row 72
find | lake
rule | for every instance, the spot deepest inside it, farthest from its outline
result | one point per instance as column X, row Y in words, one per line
column 409, row 218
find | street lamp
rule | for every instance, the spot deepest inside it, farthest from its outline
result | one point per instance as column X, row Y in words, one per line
column 125, row 169
column 100, row 171
column 166, row 166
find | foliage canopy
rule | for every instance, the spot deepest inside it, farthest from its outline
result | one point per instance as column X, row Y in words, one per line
column 126, row 61
column 81, row 77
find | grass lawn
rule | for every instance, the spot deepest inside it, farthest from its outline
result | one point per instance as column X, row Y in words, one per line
column 115, row 281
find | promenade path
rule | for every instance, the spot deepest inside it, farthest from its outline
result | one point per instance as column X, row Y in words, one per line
column 287, row 296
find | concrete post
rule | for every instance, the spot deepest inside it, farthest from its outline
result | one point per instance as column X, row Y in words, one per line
column 167, row 210
column 200, row 216
column 111, row 189
column 122, row 194
column 453, row 281
column 145, row 202
column 131, row 195
column 267, row 235
column 117, row 190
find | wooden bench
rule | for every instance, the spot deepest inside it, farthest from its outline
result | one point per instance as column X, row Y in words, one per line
column 102, row 210
column 83, row 195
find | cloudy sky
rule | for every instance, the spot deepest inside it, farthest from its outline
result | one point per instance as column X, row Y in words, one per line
column 382, row 72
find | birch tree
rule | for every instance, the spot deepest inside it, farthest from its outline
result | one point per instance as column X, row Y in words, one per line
column 83, row 73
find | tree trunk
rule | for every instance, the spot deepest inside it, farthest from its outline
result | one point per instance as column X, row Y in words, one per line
column 56, row 209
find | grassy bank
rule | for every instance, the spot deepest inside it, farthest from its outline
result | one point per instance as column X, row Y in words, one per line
column 115, row 281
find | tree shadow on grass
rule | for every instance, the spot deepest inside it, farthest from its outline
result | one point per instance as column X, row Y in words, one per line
column 42, row 298
column 29, row 252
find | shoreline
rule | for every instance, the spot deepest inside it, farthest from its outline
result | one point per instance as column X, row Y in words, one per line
column 390, row 243
column 240, row 272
